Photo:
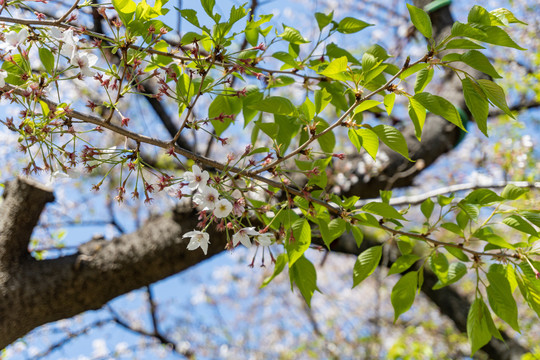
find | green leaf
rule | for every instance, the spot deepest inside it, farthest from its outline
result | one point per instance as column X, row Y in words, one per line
column 462, row 44
column 223, row 105
column 382, row 209
column 366, row 264
column 365, row 105
column 333, row 52
column 506, row 16
column 403, row 293
column 365, row 138
column 281, row 261
column 532, row 216
column 478, row 15
column 47, row 59
column 275, row 105
column 457, row 253
column 513, row 192
column 322, row 99
column 302, row 239
column 328, row 140
column 392, row 138
column 368, row 62
column 335, row 69
column 520, row 224
column 427, row 207
column 452, row 228
column 439, row 264
column 487, row 234
column 14, row 72
column 500, row 297
column 292, row 35
column 455, row 272
column 412, row 70
column 496, row 95
column 477, row 103
column 323, row 20
column 460, row 29
column 440, row 106
column 358, row 235
column 303, row 274
column 286, row 58
column 417, row 113
column 529, row 286
column 350, row 25
column 497, row 36
column 480, row 62
column 208, row 6
column 332, row 230
column 125, row 9
column 403, row 263
column 191, row 16
column 478, row 329
column 420, row 20
column 389, row 100
column 423, row 78
column 482, row 197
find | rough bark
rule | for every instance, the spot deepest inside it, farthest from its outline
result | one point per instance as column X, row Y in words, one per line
column 33, row 293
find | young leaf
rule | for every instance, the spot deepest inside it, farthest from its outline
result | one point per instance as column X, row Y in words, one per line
column 427, row 207
column 403, row 263
column 440, row 106
column 302, row 239
column 365, row 105
column 358, row 235
column 303, row 274
column 392, row 138
column 350, row 25
column 455, row 272
column 480, row 62
column 47, row 59
column 500, row 298
column 275, row 105
column 403, row 293
column 382, row 209
column 513, row 192
column 477, row 103
column 281, row 261
column 421, row 20
column 389, row 100
column 417, row 113
column 496, row 95
column 462, row 44
column 365, row 138
column 335, row 69
column 478, row 329
column 366, row 264
column 520, row 224
column 293, row 36
column 423, row 78
column 322, row 99
column 323, row 20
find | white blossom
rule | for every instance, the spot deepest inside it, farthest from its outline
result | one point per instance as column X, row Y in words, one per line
column 265, row 239
column 242, row 236
column 14, row 39
column 196, row 178
column 198, row 239
column 207, row 199
column 3, row 76
column 84, row 60
column 223, row 208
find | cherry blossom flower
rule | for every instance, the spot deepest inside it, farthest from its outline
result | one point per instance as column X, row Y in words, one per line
column 207, row 198
column 198, row 239
column 223, row 208
column 243, row 235
column 84, row 60
column 264, row 239
column 3, row 76
column 196, row 178
column 68, row 40
column 13, row 39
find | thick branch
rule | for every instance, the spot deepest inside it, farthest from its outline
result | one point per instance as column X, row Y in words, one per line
column 44, row 291
column 23, row 203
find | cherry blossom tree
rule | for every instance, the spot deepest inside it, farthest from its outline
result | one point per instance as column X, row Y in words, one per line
column 285, row 112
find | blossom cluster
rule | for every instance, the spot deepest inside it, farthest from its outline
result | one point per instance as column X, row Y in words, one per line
column 207, row 199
